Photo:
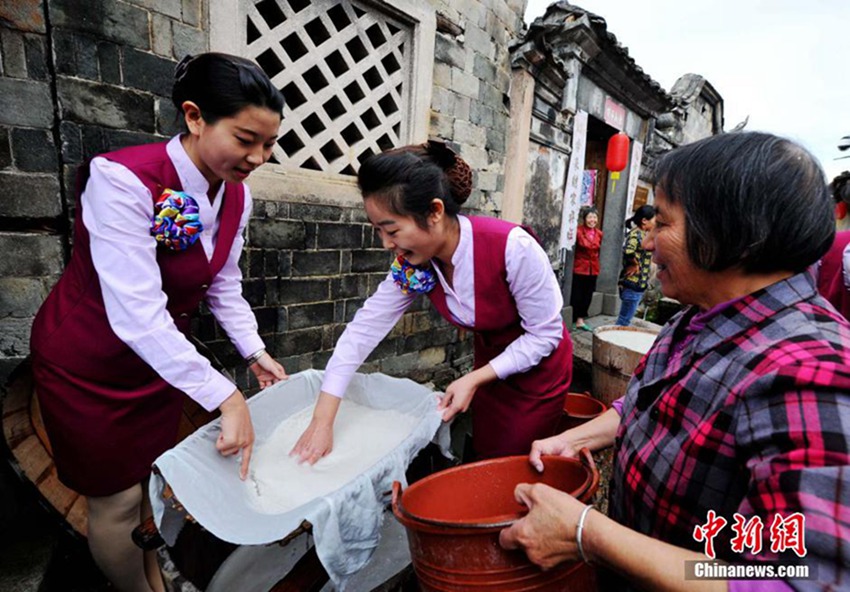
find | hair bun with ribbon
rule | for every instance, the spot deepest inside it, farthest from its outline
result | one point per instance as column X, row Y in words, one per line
column 456, row 169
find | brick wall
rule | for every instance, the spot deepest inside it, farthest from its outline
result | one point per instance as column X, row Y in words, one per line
column 77, row 78
column 29, row 178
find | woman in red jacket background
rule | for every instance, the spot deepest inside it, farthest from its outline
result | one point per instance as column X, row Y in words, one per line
column 586, row 266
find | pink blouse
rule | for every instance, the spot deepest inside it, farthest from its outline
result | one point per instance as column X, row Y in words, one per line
column 124, row 254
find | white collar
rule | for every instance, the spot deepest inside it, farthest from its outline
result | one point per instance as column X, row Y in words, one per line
column 193, row 181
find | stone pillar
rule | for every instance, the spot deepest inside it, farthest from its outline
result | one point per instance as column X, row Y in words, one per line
column 611, row 253
column 516, row 166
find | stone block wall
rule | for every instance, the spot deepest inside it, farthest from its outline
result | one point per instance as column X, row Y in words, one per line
column 307, row 270
column 82, row 77
column 76, row 78
column 470, row 103
column 31, row 207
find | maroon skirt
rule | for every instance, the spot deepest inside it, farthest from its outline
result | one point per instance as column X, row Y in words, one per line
column 105, row 439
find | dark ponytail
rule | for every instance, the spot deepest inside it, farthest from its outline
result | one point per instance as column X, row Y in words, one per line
column 407, row 179
column 222, row 85
column 646, row 212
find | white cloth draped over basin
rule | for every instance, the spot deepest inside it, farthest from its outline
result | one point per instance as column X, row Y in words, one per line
column 346, row 522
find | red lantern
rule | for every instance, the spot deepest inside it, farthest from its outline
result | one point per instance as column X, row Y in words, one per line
column 618, row 152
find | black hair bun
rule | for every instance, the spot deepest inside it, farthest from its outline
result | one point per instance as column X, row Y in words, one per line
column 456, row 169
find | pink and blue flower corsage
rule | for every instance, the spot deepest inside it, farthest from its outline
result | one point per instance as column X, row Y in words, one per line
column 176, row 222
column 412, row 278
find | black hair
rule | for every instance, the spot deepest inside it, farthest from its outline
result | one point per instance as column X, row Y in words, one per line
column 840, row 187
column 586, row 211
column 752, row 200
column 645, row 212
column 222, row 85
column 406, row 180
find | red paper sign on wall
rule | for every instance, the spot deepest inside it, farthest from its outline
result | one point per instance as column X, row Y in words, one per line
column 615, row 114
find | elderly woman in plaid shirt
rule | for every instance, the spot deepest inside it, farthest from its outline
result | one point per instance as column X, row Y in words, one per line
column 740, row 412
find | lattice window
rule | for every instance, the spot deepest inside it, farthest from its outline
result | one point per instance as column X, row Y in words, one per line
column 344, row 69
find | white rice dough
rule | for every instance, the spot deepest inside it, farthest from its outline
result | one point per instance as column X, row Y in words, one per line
column 362, row 436
column 638, row 341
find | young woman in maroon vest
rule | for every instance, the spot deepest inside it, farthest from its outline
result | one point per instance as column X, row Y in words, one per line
column 158, row 230
column 482, row 274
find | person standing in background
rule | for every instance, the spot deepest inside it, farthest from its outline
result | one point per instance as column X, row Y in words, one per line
column 586, row 265
column 634, row 276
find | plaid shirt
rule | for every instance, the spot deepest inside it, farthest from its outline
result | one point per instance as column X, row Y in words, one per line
column 752, row 416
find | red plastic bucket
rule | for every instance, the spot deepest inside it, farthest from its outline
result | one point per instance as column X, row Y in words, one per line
column 453, row 519
column 578, row 409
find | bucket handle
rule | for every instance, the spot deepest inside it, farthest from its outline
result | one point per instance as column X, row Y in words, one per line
column 399, row 511
column 586, row 459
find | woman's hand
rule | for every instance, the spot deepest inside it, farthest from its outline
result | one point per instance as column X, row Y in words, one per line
column 237, row 431
column 459, row 394
column 594, row 435
column 560, row 445
column 547, row 533
column 268, row 371
column 317, row 440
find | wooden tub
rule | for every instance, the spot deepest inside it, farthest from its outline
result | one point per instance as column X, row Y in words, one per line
column 32, row 457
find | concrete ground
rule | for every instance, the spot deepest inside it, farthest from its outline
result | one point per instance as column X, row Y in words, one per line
column 37, row 554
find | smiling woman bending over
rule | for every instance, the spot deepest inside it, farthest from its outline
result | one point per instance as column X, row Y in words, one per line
column 481, row 274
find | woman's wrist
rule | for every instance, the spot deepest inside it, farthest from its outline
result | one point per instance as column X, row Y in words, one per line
column 232, row 402
column 483, row 375
column 580, row 527
column 326, row 408
column 255, row 357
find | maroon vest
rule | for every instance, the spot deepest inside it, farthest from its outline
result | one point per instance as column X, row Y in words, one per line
column 831, row 275
column 72, row 330
column 507, row 414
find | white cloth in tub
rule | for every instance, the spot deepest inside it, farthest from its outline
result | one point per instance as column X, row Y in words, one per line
column 346, row 521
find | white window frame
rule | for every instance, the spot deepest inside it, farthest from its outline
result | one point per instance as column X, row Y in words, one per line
column 227, row 27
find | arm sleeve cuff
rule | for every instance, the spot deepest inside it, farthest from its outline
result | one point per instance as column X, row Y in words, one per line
column 335, row 385
column 617, row 405
column 250, row 345
column 213, row 393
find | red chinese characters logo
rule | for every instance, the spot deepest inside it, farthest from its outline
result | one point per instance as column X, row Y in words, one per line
column 747, row 534
column 708, row 531
column 786, row 533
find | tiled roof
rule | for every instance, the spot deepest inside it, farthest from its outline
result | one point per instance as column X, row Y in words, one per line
column 558, row 16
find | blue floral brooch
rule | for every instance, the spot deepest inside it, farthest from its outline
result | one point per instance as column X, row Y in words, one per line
column 412, row 278
column 176, row 222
